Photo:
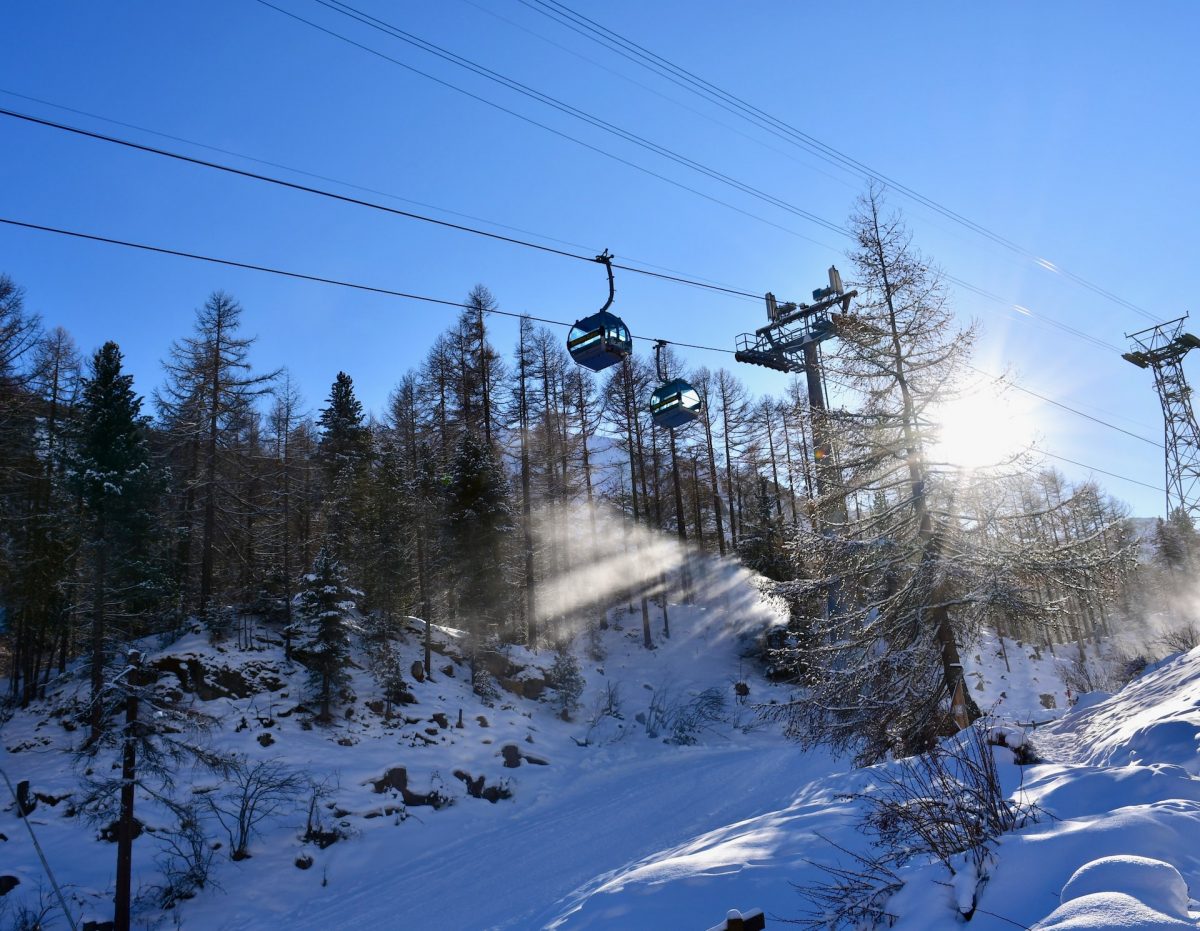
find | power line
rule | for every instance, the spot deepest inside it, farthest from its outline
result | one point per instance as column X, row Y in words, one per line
column 478, row 69
column 347, row 184
column 373, row 289
column 627, row 48
column 302, row 276
column 1000, row 379
column 479, row 232
column 1084, row 465
column 679, row 278
column 344, row 198
column 555, row 103
column 550, row 129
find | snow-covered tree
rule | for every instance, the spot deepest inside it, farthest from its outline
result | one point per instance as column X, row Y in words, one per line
column 479, row 522
column 326, row 611
column 118, row 489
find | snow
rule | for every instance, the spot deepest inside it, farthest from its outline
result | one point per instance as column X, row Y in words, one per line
column 1153, row 882
column 624, row 830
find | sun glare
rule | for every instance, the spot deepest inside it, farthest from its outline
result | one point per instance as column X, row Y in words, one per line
column 980, row 430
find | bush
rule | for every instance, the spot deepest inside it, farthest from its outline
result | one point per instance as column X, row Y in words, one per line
column 565, row 677
column 947, row 806
column 255, row 792
column 683, row 721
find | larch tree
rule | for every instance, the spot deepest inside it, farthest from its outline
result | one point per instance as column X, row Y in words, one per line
column 209, row 383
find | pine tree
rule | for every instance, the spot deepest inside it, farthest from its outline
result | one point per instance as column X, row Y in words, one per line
column 326, row 610
column 345, row 439
column 479, row 521
column 118, row 489
column 345, row 451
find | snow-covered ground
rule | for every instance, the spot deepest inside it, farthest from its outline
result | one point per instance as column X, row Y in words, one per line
column 610, row 827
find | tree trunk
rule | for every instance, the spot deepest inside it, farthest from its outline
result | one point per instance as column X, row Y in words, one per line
column 126, row 824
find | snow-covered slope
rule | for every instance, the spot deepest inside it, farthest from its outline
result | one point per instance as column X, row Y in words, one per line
column 607, row 826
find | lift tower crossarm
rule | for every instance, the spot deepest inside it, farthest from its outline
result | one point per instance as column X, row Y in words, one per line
column 1161, row 348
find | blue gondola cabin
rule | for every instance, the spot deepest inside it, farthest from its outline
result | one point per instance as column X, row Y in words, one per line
column 674, row 404
column 598, row 341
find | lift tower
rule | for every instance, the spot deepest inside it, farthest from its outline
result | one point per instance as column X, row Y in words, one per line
column 788, row 343
column 1162, row 348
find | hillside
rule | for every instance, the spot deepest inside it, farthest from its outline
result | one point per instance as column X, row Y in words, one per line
column 661, row 804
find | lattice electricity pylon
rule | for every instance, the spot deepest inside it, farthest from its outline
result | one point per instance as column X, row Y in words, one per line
column 1162, row 348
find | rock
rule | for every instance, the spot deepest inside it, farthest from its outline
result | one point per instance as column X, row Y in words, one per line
column 8, row 884
column 533, row 688
column 396, row 780
column 448, row 670
column 418, row 671
column 25, row 803
column 1047, row 700
column 516, row 686
column 495, row 663
column 109, row 832
column 512, row 755
column 221, row 682
column 304, row 861
column 477, row 789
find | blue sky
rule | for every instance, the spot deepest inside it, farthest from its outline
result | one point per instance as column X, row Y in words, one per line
column 1065, row 127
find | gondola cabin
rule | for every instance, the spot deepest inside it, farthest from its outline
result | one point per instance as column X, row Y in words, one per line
column 598, row 341
column 674, row 404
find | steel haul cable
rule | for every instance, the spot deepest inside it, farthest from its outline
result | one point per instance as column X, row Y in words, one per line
column 320, row 279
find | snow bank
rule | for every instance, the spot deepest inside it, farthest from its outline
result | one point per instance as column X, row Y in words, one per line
column 1110, row 911
column 1152, row 882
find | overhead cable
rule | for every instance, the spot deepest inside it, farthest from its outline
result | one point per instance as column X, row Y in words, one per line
column 321, row 279
column 627, row 48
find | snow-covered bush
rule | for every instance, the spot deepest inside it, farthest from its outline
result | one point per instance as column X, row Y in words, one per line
column 682, row 721
column 186, row 858
column 945, row 806
column 253, row 793
column 567, row 680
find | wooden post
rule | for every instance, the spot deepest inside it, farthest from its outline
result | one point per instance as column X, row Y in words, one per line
column 125, row 826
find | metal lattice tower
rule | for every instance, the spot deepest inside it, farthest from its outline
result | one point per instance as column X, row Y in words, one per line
column 1161, row 349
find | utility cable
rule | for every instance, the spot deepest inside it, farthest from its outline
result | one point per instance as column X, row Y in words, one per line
column 345, row 198
column 62, row 901
column 320, row 279
column 627, row 48
column 348, row 184
column 550, row 129
column 563, row 107
column 476, row 68
column 679, row 278
column 1084, row 465
column 1000, row 379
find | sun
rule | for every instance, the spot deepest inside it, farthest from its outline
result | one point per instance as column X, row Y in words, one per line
column 981, row 428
